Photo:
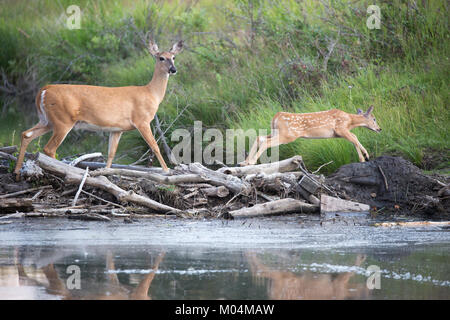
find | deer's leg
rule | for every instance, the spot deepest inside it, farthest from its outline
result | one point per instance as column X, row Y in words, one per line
column 28, row 136
column 266, row 143
column 147, row 134
column 141, row 291
column 114, row 138
column 59, row 134
column 353, row 139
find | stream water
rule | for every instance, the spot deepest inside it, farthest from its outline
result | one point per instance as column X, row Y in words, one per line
column 290, row 257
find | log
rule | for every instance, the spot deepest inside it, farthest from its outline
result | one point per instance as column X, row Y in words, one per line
column 9, row 149
column 15, row 204
column 8, row 156
column 99, row 165
column 8, row 195
column 332, row 204
column 89, row 217
column 412, row 224
column 309, row 184
column 220, row 192
column 290, row 164
column 232, row 183
column 287, row 205
column 159, row 178
column 74, row 175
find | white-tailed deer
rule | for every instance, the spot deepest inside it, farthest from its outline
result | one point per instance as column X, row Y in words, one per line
column 287, row 127
column 61, row 107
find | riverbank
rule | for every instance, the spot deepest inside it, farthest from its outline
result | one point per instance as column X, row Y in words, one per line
column 385, row 186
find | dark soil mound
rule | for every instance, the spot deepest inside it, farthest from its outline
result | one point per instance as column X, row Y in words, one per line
column 395, row 184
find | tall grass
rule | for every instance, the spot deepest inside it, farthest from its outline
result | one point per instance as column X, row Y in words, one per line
column 244, row 61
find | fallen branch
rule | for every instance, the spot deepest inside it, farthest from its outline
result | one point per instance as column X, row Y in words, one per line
column 159, row 178
column 16, row 204
column 74, row 175
column 412, row 224
column 85, row 157
column 166, row 147
column 217, row 178
column 89, row 217
column 287, row 205
column 290, row 164
column 8, row 156
column 23, row 192
column 83, row 180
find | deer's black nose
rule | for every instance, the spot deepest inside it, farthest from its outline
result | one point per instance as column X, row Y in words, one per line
column 172, row 70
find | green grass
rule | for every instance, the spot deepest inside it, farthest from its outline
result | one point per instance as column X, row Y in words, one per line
column 244, row 61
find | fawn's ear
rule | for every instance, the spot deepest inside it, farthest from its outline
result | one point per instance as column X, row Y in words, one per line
column 177, row 47
column 369, row 111
column 153, row 48
column 359, row 111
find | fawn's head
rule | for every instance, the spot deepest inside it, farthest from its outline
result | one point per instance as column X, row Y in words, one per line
column 165, row 60
column 370, row 121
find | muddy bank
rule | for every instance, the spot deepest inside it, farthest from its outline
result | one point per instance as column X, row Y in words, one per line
column 389, row 185
column 394, row 184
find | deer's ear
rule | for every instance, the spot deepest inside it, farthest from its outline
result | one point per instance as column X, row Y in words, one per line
column 153, row 48
column 359, row 111
column 177, row 47
column 369, row 111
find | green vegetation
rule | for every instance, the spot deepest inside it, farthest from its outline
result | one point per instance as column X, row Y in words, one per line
column 245, row 60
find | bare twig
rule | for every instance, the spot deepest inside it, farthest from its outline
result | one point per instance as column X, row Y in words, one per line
column 23, row 192
column 85, row 157
column 74, row 202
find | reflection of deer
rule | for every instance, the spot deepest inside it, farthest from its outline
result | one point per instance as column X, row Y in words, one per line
column 116, row 291
column 285, row 285
column 16, row 276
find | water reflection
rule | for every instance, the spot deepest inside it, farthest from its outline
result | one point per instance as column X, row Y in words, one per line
column 287, row 285
column 149, row 272
column 46, row 282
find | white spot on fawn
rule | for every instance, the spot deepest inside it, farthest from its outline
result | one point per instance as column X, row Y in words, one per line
column 29, row 134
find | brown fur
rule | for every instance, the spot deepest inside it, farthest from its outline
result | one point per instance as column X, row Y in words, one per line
column 288, row 127
column 115, row 110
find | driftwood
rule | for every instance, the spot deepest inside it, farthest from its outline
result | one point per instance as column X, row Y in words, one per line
column 287, row 205
column 332, row 204
column 74, row 175
column 9, row 149
column 15, row 204
column 156, row 177
column 220, row 192
column 8, row 156
column 290, row 164
column 216, row 178
column 89, row 217
column 23, row 192
column 99, row 165
column 413, row 224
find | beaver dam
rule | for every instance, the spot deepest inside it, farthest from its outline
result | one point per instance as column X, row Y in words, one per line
column 81, row 189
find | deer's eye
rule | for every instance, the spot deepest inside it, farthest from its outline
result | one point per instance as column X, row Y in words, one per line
column 161, row 59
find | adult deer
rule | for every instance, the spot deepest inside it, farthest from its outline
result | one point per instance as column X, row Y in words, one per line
column 62, row 107
column 287, row 127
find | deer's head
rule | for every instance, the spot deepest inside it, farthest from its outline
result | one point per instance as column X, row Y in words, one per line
column 165, row 60
column 370, row 121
